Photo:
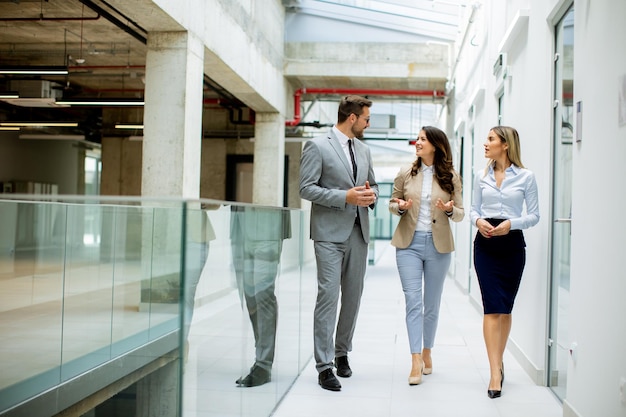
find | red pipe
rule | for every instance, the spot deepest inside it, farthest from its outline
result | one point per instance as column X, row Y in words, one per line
column 372, row 92
column 366, row 92
column 296, row 106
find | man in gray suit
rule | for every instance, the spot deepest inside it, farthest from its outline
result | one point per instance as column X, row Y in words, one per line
column 337, row 176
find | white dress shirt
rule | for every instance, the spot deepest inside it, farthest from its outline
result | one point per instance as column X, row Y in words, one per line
column 343, row 140
column 424, row 217
column 518, row 188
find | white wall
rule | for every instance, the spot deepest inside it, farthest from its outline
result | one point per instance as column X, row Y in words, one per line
column 596, row 306
column 598, row 284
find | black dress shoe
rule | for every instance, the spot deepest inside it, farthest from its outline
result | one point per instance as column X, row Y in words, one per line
column 343, row 367
column 328, row 381
column 257, row 376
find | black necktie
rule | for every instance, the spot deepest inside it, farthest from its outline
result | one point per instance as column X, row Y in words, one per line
column 352, row 157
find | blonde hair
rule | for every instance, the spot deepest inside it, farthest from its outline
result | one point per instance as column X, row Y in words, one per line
column 509, row 136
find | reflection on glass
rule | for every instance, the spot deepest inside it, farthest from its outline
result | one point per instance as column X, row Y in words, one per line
column 252, row 314
column 257, row 236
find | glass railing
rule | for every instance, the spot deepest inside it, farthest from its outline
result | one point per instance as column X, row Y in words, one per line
column 97, row 292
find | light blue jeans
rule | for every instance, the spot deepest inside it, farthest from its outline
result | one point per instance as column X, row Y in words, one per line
column 421, row 259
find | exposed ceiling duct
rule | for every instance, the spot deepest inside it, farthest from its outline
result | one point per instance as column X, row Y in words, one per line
column 35, row 93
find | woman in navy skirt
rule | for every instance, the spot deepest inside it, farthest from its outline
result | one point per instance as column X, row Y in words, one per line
column 500, row 193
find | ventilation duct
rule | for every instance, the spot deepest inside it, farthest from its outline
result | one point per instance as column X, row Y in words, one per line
column 382, row 123
column 35, row 93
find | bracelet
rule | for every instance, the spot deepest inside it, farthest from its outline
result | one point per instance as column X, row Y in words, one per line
column 449, row 214
column 401, row 212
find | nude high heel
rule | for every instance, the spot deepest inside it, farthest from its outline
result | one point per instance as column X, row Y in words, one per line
column 416, row 380
column 427, row 369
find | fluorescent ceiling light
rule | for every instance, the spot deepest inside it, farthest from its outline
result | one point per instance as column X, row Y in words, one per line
column 103, row 103
column 119, row 126
column 34, row 70
column 9, row 94
column 39, row 124
column 9, row 128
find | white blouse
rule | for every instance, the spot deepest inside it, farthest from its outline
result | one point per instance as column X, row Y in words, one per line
column 424, row 220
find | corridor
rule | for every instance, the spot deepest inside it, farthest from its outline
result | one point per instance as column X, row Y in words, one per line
column 380, row 361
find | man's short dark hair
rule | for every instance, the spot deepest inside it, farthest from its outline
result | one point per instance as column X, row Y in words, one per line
column 351, row 104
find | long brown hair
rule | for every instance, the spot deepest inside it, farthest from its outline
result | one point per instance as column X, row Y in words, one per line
column 443, row 158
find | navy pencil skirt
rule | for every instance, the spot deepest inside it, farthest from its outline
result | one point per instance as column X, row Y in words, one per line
column 499, row 262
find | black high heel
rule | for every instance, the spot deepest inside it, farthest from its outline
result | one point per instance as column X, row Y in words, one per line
column 495, row 393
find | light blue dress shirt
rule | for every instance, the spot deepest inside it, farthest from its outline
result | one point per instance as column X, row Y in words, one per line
column 507, row 202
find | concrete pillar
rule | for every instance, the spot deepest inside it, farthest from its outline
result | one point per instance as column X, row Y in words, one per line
column 171, row 152
column 172, row 115
column 158, row 393
column 269, row 159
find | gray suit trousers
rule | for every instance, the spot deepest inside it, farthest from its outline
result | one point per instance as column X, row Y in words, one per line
column 340, row 269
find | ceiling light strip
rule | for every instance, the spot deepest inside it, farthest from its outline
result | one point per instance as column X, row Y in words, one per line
column 38, row 124
column 103, row 103
column 34, row 70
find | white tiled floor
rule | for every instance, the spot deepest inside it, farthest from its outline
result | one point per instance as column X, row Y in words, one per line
column 380, row 361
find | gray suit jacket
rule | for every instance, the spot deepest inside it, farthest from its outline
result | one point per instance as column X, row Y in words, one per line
column 325, row 178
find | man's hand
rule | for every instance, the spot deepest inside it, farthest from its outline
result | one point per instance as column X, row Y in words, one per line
column 361, row 195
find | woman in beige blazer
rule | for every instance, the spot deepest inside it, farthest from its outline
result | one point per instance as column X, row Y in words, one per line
column 426, row 195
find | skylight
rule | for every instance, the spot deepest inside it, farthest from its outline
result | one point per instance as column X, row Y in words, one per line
column 438, row 19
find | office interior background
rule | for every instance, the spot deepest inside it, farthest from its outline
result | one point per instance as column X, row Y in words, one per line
column 212, row 100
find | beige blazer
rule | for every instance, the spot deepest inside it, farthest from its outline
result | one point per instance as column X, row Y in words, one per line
column 408, row 187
